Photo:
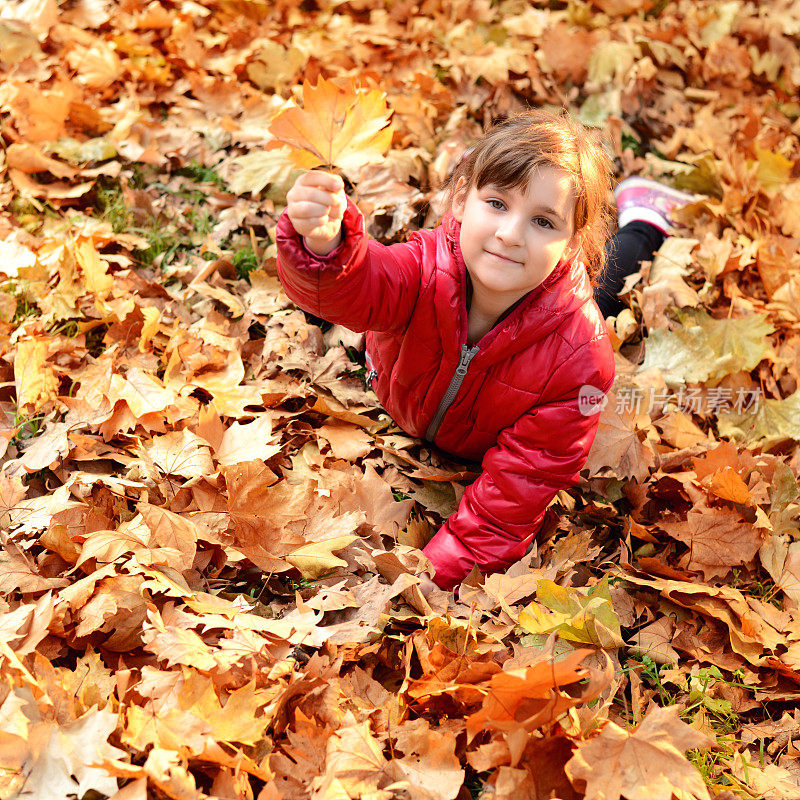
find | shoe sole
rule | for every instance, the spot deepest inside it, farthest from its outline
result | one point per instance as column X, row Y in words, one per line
column 636, row 182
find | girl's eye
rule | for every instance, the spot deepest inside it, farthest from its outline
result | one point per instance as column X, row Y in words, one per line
column 496, row 204
column 543, row 222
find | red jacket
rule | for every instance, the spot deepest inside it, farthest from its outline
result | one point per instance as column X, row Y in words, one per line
column 517, row 406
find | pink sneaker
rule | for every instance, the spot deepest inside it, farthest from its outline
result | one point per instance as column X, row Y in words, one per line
column 649, row 201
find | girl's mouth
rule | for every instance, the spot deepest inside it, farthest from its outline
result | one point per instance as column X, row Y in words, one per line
column 502, row 257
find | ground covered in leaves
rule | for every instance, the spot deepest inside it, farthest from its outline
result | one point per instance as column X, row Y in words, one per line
column 209, row 527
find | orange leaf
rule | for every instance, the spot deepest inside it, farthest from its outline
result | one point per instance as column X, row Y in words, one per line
column 341, row 127
column 532, row 696
column 728, row 485
column 724, row 455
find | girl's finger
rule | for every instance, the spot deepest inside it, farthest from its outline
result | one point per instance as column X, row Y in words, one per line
column 315, row 195
column 339, row 204
column 323, row 180
column 301, row 209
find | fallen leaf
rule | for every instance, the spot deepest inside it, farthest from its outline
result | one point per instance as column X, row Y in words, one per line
column 29, row 158
column 584, row 616
column 65, row 760
column 317, row 558
column 704, row 348
column 181, row 453
column 646, row 763
column 618, row 444
column 532, row 697
column 429, row 766
column 35, row 380
column 255, row 171
column 17, row 573
column 718, row 540
column 247, row 442
column 347, row 441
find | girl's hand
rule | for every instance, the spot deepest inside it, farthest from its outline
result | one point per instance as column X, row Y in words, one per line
column 316, row 205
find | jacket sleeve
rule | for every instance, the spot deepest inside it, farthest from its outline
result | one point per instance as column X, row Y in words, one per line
column 542, row 453
column 362, row 284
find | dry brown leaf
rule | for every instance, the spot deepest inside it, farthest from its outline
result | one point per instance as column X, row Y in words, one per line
column 315, row 559
column 24, row 628
column 619, row 446
column 354, row 763
column 168, row 529
column 250, row 441
column 180, row 453
column 718, row 539
column 728, row 485
column 30, row 159
column 646, row 763
column 18, row 573
column 429, row 766
column 49, row 447
column 347, row 441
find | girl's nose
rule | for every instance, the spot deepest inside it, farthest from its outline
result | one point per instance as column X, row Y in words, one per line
column 510, row 230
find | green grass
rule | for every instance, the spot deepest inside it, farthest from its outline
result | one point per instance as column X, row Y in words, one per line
column 25, row 308
column 256, row 590
column 695, row 694
column 32, row 214
column 110, row 202
column 162, row 242
column 473, row 784
column 27, row 426
column 761, row 588
column 244, row 262
column 307, row 583
column 711, row 764
column 630, row 142
column 201, row 174
column 693, row 697
column 657, row 8
column 68, row 328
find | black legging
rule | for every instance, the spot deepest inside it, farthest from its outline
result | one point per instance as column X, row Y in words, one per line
column 636, row 242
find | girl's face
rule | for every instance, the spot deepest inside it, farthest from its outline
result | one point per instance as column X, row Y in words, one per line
column 512, row 239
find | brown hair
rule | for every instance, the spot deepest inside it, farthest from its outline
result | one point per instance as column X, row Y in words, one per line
column 508, row 155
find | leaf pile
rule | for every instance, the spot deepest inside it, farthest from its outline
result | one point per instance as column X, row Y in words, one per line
column 210, row 529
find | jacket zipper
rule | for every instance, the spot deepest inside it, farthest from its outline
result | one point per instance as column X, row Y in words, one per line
column 467, row 354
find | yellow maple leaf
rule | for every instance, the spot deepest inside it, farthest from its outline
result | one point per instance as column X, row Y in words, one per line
column 343, row 127
column 317, row 558
column 35, row 379
column 95, row 269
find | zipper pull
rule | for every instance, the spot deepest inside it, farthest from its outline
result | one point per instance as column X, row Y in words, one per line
column 461, row 369
column 466, row 356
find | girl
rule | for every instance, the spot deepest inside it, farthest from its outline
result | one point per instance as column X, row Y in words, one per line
column 483, row 335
